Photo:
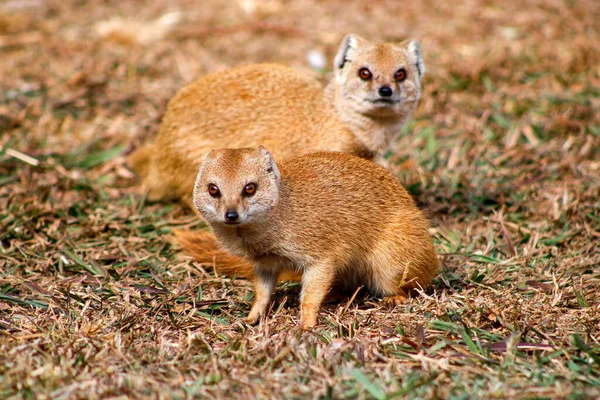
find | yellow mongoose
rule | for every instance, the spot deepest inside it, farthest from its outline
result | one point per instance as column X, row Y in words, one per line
column 374, row 92
column 337, row 219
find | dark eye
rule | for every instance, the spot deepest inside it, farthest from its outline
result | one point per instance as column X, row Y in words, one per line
column 365, row 74
column 213, row 190
column 400, row 75
column 250, row 189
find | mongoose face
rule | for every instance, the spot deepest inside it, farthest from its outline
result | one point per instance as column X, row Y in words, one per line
column 378, row 79
column 236, row 187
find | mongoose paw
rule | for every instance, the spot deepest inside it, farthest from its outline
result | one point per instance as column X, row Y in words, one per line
column 395, row 300
column 251, row 319
column 308, row 319
column 307, row 325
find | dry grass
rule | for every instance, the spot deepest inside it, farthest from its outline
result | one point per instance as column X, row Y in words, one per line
column 503, row 155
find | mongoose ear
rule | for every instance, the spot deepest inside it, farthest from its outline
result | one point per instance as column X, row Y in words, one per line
column 416, row 55
column 349, row 43
column 195, row 195
column 270, row 161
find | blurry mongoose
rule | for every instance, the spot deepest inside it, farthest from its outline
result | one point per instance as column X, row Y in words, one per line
column 375, row 89
column 336, row 220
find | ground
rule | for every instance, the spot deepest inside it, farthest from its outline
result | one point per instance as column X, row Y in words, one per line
column 503, row 155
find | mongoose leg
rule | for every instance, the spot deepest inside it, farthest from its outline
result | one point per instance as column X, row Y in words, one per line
column 316, row 283
column 395, row 300
column 264, row 285
column 188, row 200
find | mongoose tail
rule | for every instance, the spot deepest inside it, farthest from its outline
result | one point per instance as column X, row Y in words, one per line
column 202, row 246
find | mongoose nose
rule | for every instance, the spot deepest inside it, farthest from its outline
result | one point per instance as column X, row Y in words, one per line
column 231, row 216
column 385, row 91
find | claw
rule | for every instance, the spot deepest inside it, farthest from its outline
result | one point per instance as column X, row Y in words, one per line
column 396, row 300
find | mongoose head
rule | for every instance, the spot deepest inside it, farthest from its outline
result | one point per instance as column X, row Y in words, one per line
column 379, row 79
column 236, row 186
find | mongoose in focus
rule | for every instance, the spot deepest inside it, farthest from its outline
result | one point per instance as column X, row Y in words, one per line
column 374, row 92
column 338, row 220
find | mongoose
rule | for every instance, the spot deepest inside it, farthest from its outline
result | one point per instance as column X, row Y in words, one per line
column 374, row 91
column 336, row 219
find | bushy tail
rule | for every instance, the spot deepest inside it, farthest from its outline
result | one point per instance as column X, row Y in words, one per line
column 203, row 247
column 139, row 160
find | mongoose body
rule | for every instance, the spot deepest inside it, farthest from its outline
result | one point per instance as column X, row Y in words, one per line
column 336, row 219
column 375, row 90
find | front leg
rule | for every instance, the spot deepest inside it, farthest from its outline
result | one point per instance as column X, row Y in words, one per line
column 316, row 283
column 264, row 281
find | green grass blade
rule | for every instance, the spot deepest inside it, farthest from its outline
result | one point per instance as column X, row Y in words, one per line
column 375, row 390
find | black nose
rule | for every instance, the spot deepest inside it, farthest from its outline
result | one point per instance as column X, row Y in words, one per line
column 231, row 216
column 385, row 91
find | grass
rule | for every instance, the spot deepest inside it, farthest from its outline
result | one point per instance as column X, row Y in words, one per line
column 502, row 155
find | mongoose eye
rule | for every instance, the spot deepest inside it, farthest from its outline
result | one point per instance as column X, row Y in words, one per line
column 213, row 190
column 400, row 75
column 365, row 74
column 250, row 189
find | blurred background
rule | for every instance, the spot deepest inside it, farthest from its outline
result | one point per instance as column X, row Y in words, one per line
column 82, row 70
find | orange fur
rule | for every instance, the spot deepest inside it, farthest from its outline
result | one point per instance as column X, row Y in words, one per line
column 202, row 246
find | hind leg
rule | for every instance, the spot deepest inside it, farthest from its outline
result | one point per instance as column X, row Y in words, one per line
column 394, row 289
column 395, row 300
column 157, row 184
column 143, row 162
column 188, row 200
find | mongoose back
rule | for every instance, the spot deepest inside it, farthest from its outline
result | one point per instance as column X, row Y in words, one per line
column 336, row 219
column 375, row 89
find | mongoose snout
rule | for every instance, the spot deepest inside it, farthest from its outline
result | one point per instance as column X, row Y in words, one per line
column 231, row 216
column 385, row 91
